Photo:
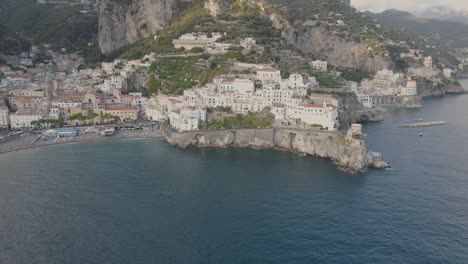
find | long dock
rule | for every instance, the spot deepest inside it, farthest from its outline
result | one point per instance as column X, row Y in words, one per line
column 424, row 124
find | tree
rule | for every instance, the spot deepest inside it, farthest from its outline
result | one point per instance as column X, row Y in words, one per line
column 82, row 117
column 46, row 123
column 153, row 86
column 197, row 50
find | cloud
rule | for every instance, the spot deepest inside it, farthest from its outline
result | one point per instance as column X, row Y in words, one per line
column 408, row 5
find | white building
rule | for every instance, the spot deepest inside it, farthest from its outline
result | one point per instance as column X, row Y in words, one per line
column 248, row 43
column 218, row 48
column 4, row 117
column 365, row 99
column 423, row 72
column 187, row 119
column 428, row 62
column 317, row 115
column 413, row 54
column 54, row 112
column 243, row 86
column 189, row 41
column 385, row 83
column 410, row 89
column 111, row 83
column 22, row 120
column 269, row 76
column 448, row 73
column 320, row 65
column 158, row 107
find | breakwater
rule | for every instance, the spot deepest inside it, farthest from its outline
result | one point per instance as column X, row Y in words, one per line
column 425, row 124
column 348, row 150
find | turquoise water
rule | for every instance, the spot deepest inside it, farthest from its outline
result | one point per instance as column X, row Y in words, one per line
column 144, row 201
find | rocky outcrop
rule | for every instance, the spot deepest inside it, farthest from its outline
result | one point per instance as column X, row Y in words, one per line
column 217, row 7
column 349, row 151
column 323, row 44
column 122, row 22
column 137, row 79
column 339, row 51
column 428, row 88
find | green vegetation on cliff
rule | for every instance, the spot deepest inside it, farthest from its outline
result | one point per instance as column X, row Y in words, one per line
column 63, row 27
column 189, row 14
column 251, row 120
column 173, row 74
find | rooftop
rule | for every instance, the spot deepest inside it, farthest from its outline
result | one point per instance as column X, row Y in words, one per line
column 128, row 108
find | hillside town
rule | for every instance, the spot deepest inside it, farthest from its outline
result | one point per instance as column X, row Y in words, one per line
column 43, row 88
column 36, row 93
column 287, row 100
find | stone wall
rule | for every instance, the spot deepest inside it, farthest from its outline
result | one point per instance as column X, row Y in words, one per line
column 255, row 138
column 348, row 151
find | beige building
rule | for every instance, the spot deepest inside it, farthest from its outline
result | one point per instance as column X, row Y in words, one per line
column 22, row 120
column 27, row 102
column 128, row 113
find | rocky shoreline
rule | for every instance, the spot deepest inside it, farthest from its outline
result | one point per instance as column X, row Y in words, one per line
column 427, row 88
column 349, row 151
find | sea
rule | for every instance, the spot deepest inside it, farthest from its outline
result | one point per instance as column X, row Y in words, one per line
column 144, row 201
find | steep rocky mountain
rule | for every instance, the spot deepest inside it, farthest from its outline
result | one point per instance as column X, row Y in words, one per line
column 449, row 34
column 331, row 30
column 321, row 29
column 122, row 22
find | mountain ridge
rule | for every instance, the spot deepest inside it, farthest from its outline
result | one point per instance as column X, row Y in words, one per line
column 450, row 34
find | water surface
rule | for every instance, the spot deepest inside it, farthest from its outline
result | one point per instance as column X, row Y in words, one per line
column 144, row 201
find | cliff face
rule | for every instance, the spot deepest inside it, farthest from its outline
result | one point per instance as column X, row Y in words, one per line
column 349, row 152
column 122, row 22
column 324, row 44
column 217, row 7
column 138, row 79
column 428, row 88
column 338, row 51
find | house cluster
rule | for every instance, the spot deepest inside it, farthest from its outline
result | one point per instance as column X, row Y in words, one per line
column 423, row 67
column 53, row 87
column 287, row 99
column 425, row 71
column 414, row 54
column 384, row 88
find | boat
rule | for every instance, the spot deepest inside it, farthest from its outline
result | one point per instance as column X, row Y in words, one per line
column 421, row 134
column 108, row 132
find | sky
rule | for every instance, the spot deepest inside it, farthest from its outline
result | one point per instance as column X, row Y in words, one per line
column 406, row 5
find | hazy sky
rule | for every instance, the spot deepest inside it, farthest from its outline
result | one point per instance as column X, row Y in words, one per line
column 408, row 5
